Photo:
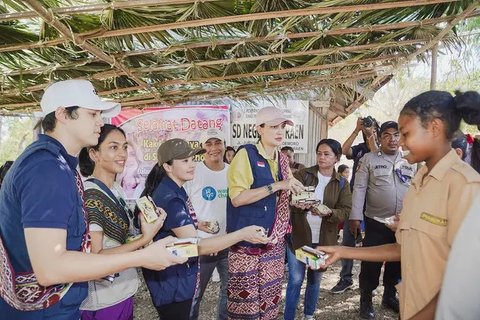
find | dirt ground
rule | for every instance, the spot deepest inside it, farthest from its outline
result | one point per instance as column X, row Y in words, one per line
column 332, row 307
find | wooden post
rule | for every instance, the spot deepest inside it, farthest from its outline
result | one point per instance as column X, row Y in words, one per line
column 433, row 73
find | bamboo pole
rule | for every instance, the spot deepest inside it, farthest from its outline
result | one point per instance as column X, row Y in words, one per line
column 374, row 28
column 281, row 71
column 433, row 71
column 271, row 15
column 231, row 77
column 97, row 8
column 82, row 43
column 286, row 84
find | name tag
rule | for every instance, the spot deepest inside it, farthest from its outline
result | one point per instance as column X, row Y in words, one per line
column 380, row 166
column 433, row 219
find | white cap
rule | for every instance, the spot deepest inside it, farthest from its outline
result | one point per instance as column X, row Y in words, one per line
column 76, row 93
column 271, row 116
column 212, row 133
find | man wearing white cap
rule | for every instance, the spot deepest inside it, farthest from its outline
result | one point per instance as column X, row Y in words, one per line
column 208, row 192
column 43, row 229
column 259, row 185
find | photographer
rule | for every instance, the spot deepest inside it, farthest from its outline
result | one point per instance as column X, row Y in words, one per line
column 369, row 127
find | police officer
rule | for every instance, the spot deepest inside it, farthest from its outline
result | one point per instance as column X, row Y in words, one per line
column 381, row 182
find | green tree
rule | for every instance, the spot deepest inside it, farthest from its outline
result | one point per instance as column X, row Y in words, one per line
column 15, row 134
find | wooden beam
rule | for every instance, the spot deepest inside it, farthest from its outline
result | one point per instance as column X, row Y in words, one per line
column 114, row 5
column 433, row 71
column 278, row 84
column 374, row 28
column 376, row 84
column 281, row 71
column 223, row 78
column 271, row 15
column 109, row 73
column 49, row 18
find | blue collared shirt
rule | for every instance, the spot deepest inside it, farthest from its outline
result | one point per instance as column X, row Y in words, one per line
column 176, row 283
column 40, row 191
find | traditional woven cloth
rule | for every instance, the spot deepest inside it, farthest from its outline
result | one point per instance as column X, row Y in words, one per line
column 255, row 281
column 22, row 290
column 192, row 212
column 106, row 213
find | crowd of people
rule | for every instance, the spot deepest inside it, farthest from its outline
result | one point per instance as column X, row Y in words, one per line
column 71, row 246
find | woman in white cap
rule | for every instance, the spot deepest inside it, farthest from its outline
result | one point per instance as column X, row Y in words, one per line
column 259, row 184
column 173, row 289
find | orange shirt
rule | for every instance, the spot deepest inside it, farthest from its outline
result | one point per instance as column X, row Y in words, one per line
column 433, row 210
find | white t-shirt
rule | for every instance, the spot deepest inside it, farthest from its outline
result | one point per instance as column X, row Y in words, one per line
column 101, row 293
column 208, row 193
column 315, row 221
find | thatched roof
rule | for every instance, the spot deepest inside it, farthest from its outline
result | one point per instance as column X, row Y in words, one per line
column 144, row 52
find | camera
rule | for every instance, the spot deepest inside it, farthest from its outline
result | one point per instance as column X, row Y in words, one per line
column 367, row 122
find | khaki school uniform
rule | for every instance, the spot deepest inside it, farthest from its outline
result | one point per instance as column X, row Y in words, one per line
column 432, row 212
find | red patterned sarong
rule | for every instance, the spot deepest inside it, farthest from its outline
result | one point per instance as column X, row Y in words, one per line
column 255, row 278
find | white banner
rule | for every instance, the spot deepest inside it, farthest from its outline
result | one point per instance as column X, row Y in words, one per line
column 243, row 124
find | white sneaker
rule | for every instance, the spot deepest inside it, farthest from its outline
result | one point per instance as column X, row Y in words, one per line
column 215, row 276
column 305, row 317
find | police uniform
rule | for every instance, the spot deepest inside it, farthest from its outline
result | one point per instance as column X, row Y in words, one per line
column 381, row 182
column 433, row 210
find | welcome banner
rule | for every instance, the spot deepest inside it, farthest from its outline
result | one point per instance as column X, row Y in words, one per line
column 146, row 130
column 243, row 123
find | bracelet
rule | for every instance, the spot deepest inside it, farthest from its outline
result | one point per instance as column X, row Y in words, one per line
column 269, row 188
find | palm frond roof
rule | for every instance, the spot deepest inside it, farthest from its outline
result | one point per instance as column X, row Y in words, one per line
column 150, row 52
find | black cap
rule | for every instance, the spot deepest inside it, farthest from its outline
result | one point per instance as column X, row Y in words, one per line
column 388, row 125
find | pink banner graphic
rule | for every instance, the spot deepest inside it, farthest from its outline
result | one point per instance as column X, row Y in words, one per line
column 146, row 129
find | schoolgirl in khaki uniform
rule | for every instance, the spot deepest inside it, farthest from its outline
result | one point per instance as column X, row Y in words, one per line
column 441, row 194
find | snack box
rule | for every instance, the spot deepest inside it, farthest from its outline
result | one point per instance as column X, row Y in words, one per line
column 321, row 207
column 147, row 208
column 313, row 258
column 307, row 196
column 389, row 220
column 213, row 226
column 187, row 247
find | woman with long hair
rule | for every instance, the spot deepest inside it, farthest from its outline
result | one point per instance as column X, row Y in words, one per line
column 109, row 221
column 173, row 289
column 312, row 227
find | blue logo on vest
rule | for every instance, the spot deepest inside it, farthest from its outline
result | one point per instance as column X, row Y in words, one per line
column 209, row 193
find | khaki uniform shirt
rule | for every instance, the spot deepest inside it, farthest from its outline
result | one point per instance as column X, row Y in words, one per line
column 433, row 210
column 381, row 182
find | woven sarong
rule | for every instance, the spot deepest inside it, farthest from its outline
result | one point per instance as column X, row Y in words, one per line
column 255, row 280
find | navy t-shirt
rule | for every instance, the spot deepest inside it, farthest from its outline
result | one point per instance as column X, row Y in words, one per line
column 40, row 192
column 176, row 283
column 358, row 151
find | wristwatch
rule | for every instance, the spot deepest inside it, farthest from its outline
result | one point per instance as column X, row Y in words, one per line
column 270, row 188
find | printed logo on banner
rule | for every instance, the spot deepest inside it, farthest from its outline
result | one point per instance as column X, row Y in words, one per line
column 209, row 193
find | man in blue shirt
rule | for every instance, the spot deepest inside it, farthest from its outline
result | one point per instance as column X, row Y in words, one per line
column 43, row 231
